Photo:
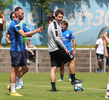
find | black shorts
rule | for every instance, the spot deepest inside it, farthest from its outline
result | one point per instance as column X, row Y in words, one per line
column 100, row 56
column 59, row 56
column 18, row 58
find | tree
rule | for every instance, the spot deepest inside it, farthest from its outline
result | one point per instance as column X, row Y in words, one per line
column 4, row 4
column 44, row 5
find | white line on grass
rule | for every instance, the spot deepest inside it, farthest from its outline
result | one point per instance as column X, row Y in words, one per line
column 57, row 87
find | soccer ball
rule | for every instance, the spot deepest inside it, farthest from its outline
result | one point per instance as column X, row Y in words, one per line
column 78, row 87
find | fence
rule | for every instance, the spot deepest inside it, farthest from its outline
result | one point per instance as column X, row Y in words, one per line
column 90, row 57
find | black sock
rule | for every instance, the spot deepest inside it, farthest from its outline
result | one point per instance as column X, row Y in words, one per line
column 53, row 86
column 73, row 77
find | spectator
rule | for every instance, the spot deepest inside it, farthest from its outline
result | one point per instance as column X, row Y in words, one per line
column 51, row 17
column 30, row 53
column 2, row 20
column 99, row 52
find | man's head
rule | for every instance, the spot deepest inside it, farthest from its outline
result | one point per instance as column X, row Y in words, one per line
column 59, row 16
column 12, row 16
column 28, row 41
column 64, row 25
column 19, row 13
column 51, row 13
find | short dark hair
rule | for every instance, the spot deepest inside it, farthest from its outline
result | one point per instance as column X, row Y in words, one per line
column 11, row 15
column 51, row 11
column 17, row 8
column 58, row 12
column 28, row 40
column 65, row 23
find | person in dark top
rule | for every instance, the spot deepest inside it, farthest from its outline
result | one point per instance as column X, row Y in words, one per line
column 51, row 17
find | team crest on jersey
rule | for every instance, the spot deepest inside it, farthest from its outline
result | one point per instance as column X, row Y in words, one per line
column 67, row 35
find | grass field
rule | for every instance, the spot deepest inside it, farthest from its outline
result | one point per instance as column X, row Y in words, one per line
column 45, row 46
column 37, row 86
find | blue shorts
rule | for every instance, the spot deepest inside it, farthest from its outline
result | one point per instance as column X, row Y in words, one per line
column 18, row 58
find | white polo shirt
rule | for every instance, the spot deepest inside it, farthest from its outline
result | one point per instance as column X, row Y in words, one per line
column 100, row 47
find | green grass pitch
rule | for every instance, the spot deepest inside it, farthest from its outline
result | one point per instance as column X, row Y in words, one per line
column 37, row 86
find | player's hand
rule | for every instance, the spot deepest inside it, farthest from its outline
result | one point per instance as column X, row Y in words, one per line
column 9, row 42
column 39, row 29
column 74, row 53
column 68, row 52
column 32, row 53
column 106, row 55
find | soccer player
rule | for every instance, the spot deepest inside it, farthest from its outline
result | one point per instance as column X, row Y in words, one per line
column 57, row 50
column 106, row 54
column 17, row 49
column 20, row 83
column 99, row 53
column 67, row 36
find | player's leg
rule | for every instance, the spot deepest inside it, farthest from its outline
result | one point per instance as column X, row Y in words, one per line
column 107, row 92
column 69, row 73
column 34, row 55
column 27, row 56
column 100, row 65
column 15, row 59
column 53, row 77
column 72, row 71
column 12, row 81
column 22, row 71
column 61, row 72
column 20, row 83
column 98, row 68
column 23, row 64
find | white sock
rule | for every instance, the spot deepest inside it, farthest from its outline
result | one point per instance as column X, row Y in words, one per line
column 17, row 80
column 13, row 87
column 21, row 80
column 107, row 89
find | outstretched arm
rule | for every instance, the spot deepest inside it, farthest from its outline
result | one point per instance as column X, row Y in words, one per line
column 26, row 34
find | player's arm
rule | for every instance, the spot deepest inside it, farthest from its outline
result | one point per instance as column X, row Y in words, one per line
column 57, row 38
column 26, row 34
column 96, row 45
column 28, row 49
column 74, row 46
column 7, row 38
column 105, row 36
column 26, row 29
column 105, row 49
